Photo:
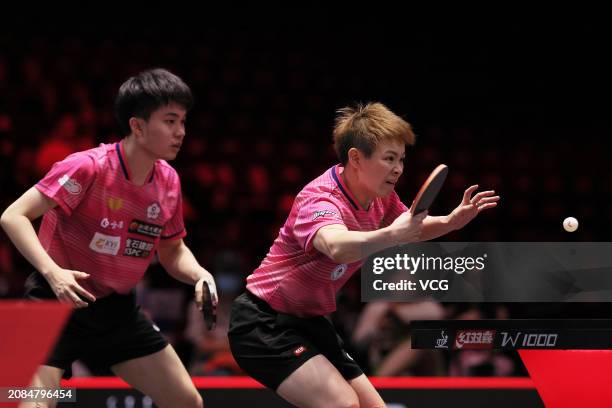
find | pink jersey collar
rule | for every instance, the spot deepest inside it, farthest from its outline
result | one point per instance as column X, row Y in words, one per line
column 335, row 172
column 124, row 163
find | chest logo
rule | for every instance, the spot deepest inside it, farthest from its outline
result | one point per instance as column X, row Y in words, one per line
column 115, row 204
column 143, row 228
column 338, row 272
column 138, row 248
column 153, row 211
column 105, row 244
column 112, row 224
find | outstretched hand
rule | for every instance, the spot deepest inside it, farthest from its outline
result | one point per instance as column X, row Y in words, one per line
column 470, row 206
column 64, row 284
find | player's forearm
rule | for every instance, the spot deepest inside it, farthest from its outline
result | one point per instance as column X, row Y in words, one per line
column 434, row 227
column 21, row 232
column 182, row 265
column 352, row 246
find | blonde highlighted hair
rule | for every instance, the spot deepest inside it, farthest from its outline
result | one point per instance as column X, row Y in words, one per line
column 365, row 126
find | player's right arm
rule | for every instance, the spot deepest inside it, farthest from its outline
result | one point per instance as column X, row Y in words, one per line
column 344, row 246
column 17, row 223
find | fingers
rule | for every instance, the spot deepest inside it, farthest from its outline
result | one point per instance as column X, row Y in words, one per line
column 78, row 302
column 487, row 200
column 409, row 226
column 487, row 206
column 68, row 291
column 213, row 293
column 81, row 291
column 199, row 294
column 80, row 275
column 420, row 216
column 485, row 203
column 482, row 195
column 468, row 193
column 72, row 299
column 76, row 289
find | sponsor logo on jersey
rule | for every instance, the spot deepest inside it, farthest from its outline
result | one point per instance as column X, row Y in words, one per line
column 70, row 185
column 338, row 272
column 298, row 351
column 115, row 204
column 322, row 213
column 143, row 228
column 105, row 244
column 112, row 224
column 153, row 211
column 138, row 248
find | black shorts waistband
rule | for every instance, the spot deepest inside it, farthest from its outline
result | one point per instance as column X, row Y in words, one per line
column 114, row 306
column 259, row 302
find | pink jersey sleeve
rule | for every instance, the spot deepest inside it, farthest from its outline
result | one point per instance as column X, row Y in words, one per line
column 175, row 227
column 313, row 215
column 393, row 208
column 68, row 180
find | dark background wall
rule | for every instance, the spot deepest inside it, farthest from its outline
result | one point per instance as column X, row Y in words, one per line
column 521, row 107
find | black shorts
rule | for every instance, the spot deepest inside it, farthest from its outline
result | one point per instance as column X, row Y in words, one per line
column 110, row 330
column 269, row 345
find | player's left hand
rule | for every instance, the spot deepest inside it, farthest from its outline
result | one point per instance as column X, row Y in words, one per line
column 470, row 206
column 199, row 292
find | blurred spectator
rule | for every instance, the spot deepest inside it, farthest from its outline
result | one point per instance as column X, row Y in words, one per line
column 481, row 363
column 382, row 330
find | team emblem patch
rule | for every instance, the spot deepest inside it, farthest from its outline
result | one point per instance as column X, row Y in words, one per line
column 153, row 211
column 114, row 204
column 70, row 185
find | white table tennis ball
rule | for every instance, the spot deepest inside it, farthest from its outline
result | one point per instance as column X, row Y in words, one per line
column 570, row 224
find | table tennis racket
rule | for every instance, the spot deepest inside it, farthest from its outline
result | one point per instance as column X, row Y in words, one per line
column 209, row 310
column 429, row 190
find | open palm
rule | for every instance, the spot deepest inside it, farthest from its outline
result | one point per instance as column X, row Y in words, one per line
column 470, row 206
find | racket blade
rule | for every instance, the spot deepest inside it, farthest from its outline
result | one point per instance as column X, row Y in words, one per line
column 430, row 189
column 208, row 309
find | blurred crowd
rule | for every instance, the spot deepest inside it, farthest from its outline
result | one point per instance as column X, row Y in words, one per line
column 261, row 129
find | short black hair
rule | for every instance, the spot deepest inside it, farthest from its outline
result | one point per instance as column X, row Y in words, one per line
column 142, row 94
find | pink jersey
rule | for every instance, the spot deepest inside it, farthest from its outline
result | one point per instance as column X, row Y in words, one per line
column 104, row 224
column 295, row 277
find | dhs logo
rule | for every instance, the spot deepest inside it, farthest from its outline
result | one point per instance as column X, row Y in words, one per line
column 338, row 272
